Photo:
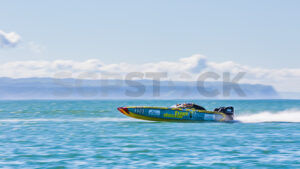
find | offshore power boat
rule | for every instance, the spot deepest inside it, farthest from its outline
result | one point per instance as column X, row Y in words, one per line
column 187, row 112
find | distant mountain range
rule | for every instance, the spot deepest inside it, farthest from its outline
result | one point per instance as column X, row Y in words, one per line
column 48, row 88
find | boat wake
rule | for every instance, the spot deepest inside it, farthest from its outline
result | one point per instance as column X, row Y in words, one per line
column 261, row 117
column 282, row 116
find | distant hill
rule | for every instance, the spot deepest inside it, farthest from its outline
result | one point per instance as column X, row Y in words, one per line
column 48, row 88
column 290, row 95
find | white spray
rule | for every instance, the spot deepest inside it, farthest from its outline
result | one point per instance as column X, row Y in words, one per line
column 266, row 116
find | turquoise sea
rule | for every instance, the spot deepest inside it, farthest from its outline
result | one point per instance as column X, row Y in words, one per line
column 93, row 134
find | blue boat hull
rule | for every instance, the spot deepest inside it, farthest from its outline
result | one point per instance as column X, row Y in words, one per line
column 174, row 114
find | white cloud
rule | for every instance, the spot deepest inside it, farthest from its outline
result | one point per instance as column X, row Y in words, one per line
column 188, row 68
column 36, row 48
column 10, row 39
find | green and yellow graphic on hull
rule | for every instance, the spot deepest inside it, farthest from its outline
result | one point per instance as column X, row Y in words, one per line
column 177, row 114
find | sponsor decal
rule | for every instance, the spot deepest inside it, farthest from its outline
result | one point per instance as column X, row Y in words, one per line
column 154, row 112
column 209, row 117
column 177, row 114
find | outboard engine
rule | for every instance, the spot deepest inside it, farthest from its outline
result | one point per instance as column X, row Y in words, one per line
column 226, row 110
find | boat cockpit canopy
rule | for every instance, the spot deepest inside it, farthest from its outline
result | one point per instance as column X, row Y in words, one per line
column 190, row 106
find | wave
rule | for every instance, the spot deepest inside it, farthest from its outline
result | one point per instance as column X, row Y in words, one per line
column 266, row 116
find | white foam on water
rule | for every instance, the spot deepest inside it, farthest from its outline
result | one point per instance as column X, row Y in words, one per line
column 266, row 116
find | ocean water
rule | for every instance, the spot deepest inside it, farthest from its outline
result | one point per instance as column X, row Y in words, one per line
column 93, row 134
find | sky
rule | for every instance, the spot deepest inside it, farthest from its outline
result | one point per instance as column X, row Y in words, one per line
column 260, row 37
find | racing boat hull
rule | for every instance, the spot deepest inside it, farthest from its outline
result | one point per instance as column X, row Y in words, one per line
column 174, row 114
